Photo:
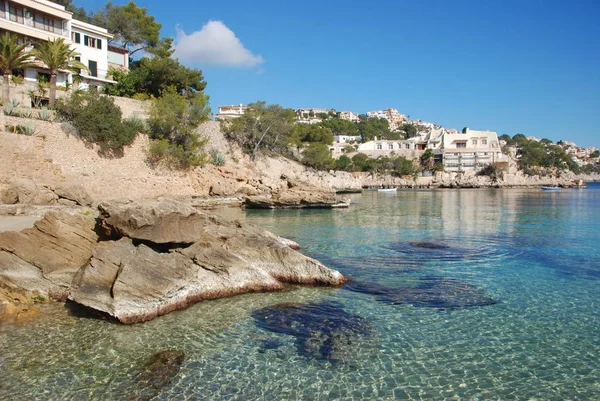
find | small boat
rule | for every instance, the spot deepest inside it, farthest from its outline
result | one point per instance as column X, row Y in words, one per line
column 550, row 188
column 387, row 189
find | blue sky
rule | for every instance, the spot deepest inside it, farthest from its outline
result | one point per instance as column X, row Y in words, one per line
column 527, row 66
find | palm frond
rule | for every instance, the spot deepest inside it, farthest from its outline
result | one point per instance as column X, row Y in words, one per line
column 12, row 54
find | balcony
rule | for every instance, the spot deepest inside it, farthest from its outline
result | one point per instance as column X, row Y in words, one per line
column 39, row 26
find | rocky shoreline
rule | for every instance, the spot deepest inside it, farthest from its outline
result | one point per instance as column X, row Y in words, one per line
column 139, row 260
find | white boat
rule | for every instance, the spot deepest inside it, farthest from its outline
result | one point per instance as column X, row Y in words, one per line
column 387, row 189
column 550, row 188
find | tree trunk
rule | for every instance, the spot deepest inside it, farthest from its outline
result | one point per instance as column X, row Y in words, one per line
column 5, row 89
column 52, row 96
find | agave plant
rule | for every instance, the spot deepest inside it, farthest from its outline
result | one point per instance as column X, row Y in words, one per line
column 44, row 114
column 27, row 128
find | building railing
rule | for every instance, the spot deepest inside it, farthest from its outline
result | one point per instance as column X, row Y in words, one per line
column 31, row 23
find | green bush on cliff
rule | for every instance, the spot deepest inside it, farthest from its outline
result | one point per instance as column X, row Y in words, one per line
column 173, row 120
column 97, row 120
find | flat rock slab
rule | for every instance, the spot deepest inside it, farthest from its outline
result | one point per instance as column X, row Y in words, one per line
column 152, row 271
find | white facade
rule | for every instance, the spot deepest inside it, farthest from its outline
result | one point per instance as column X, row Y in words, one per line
column 346, row 138
column 394, row 118
column 34, row 20
column 91, row 42
column 470, row 150
column 349, row 116
column 309, row 116
column 227, row 112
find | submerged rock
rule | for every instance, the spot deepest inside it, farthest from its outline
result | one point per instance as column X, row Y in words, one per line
column 432, row 292
column 428, row 245
column 157, row 373
column 322, row 331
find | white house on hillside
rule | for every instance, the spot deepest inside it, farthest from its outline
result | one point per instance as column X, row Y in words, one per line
column 471, row 149
column 91, row 42
column 38, row 20
column 227, row 112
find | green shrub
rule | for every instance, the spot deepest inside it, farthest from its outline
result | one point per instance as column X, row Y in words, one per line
column 174, row 156
column 173, row 119
column 97, row 120
column 317, row 155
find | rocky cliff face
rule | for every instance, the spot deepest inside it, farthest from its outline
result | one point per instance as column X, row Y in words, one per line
column 55, row 168
column 140, row 260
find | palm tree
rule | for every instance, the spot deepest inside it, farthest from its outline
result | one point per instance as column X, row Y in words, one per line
column 57, row 55
column 12, row 56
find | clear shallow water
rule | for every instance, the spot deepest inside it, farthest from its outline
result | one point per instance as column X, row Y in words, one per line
column 536, row 253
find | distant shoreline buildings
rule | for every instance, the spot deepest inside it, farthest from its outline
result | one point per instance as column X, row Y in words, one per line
column 457, row 151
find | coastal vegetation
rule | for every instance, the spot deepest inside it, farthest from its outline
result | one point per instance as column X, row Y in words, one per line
column 56, row 55
column 12, row 56
column 262, row 128
column 96, row 119
column 536, row 157
column 172, row 123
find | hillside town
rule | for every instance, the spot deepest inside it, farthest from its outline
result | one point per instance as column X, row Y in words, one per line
column 457, row 151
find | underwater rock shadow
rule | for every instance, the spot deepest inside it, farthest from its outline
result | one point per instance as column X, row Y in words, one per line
column 323, row 331
column 430, row 292
column 157, row 373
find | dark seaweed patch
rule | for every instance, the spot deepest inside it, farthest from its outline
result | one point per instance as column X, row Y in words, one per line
column 323, row 331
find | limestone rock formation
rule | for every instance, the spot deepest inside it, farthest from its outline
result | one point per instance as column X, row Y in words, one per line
column 172, row 255
column 296, row 195
column 39, row 263
column 28, row 192
column 162, row 222
column 73, row 192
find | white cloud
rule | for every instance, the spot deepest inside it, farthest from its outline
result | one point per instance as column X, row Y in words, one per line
column 214, row 44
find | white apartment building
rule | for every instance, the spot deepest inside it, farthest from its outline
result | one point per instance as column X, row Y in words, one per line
column 346, row 138
column 394, row 118
column 91, row 42
column 349, row 116
column 309, row 116
column 35, row 20
column 228, row 112
column 470, row 150
column 466, row 151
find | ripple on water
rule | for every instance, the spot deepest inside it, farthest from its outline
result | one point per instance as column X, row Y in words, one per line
column 451, row 250
column 428, row 292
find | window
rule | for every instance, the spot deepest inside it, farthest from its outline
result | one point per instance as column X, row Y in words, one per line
column 406, row 146
column 2, row 10
column 474, row 141
column 379, row 147
column 391, row 146
column 460, row 145
column 92, row 42
column 77, row 58
column 484, row 141
column 16, row 14
column 76, row 36
column 93, row 66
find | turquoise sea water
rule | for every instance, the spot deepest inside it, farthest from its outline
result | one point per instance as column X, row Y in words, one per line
column 421, row 261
